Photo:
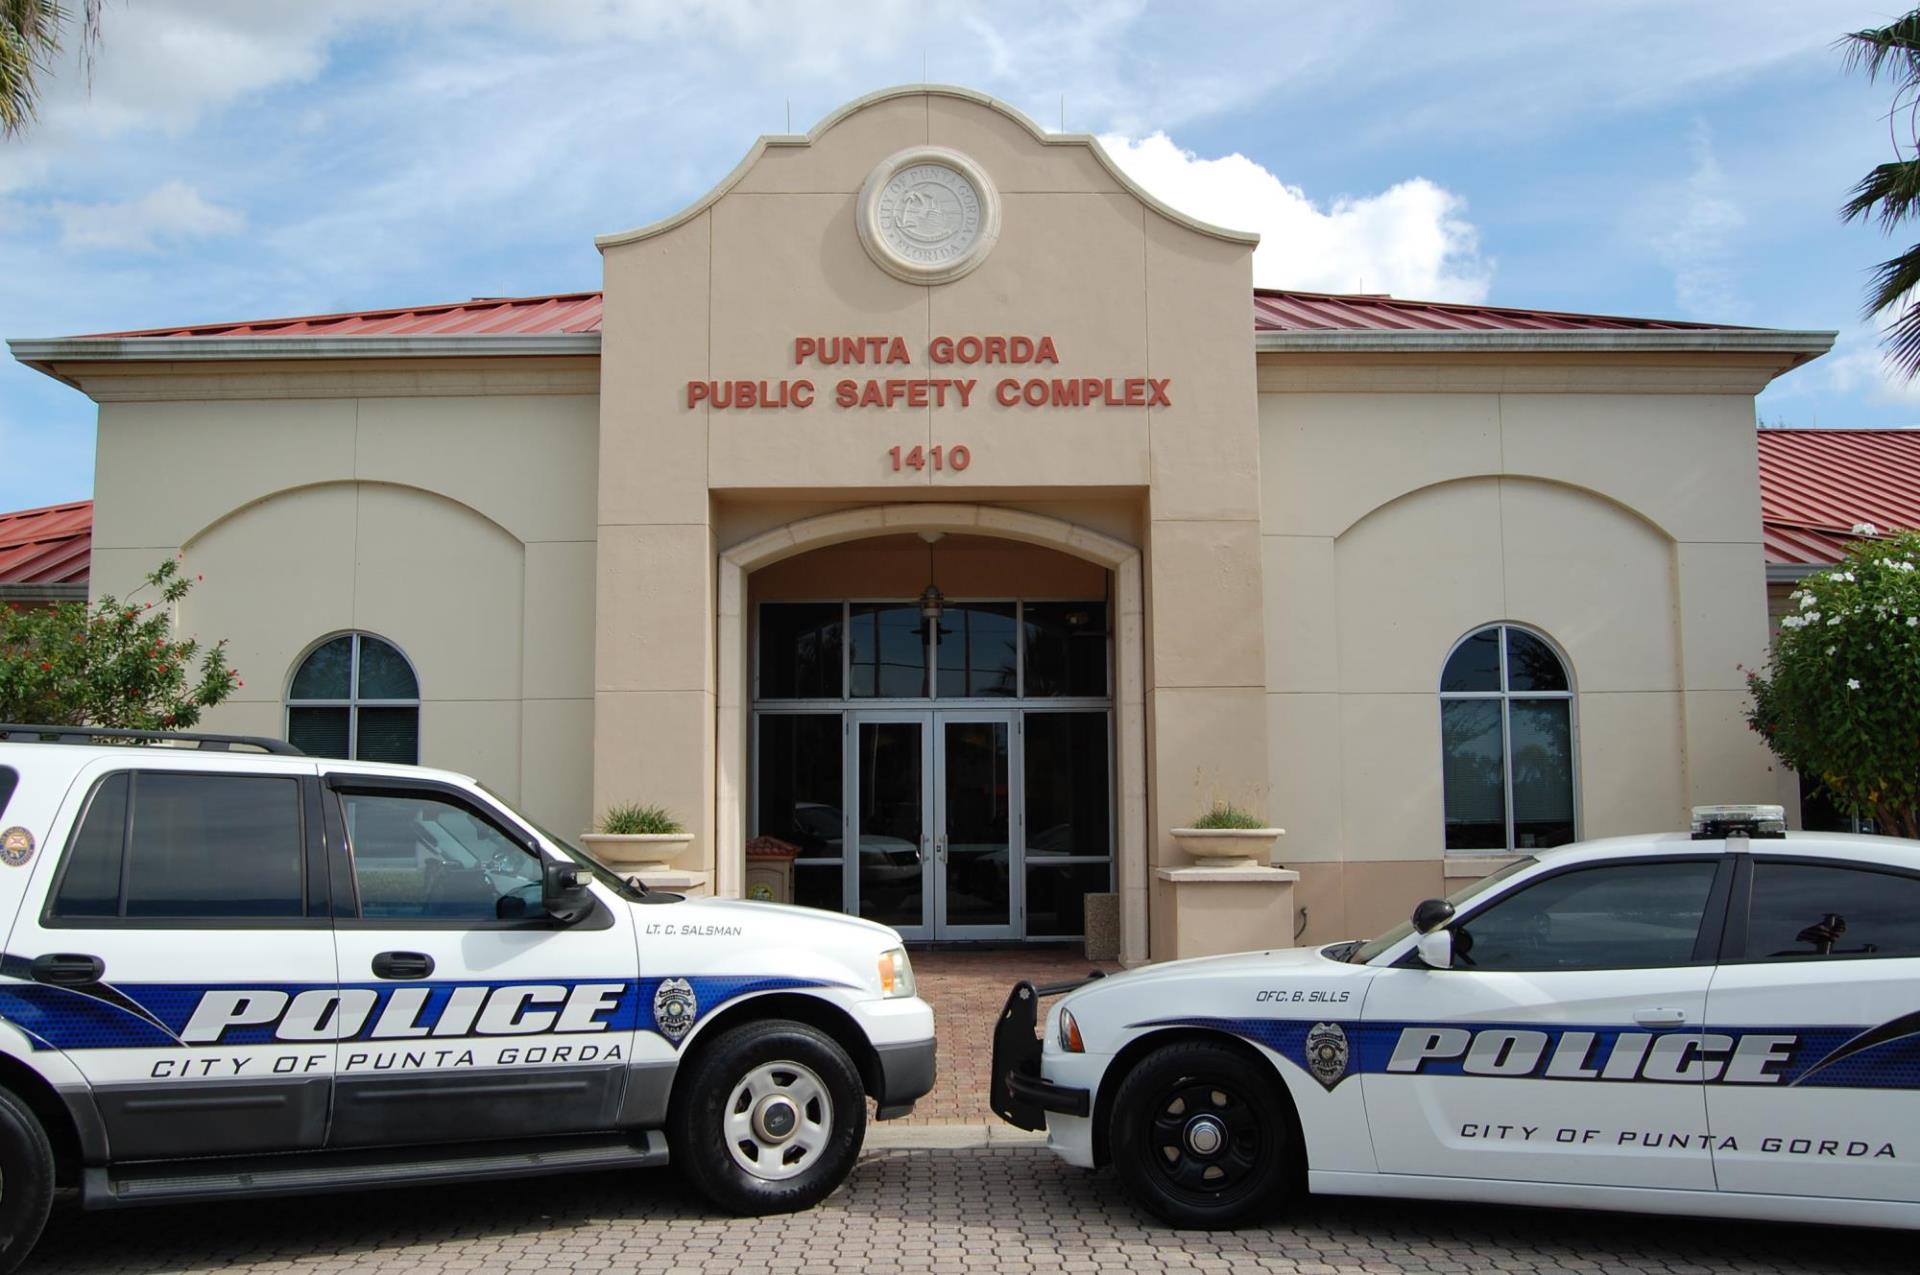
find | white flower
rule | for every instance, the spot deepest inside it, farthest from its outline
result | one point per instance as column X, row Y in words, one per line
column 1853, row 683
column 1865, row 529
column 1806, row 600
column 1832, row 620
column 1832, row 649
column 1913, row 621
column 1811, row 617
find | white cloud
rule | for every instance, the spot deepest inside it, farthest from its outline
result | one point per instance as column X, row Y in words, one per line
column 1858, row 364
column 1697, row 223
column 171, row 213
column 1412, row 239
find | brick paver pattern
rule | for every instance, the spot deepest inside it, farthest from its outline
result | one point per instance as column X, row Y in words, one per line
column 966, row 988
column 1013, row 1209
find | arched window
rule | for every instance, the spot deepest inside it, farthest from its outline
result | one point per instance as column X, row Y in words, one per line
column 1506, row 740
column 355, row 696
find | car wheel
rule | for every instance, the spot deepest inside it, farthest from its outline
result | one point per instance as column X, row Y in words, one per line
column 768, row 1118
column 1200, row 1136
column 26, row 1180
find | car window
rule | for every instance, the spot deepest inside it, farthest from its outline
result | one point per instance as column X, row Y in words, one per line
column 1619, row 916
column 164, row 845
column 9, row 780
column 1808, row 911
column 420, row 856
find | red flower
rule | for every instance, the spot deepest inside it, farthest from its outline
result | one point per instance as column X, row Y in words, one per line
column 45, row 667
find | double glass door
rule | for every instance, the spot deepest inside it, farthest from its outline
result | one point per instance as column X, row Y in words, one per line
column 934, row 822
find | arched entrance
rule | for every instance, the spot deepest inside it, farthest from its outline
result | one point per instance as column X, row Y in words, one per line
column 946, row 725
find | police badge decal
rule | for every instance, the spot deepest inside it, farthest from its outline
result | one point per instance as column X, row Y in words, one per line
column 1327, row 1054
column 674, row 1007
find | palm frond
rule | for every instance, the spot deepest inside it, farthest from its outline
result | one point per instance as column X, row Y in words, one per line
column 1893, row 49
column 1894, row 187
column 30, row 38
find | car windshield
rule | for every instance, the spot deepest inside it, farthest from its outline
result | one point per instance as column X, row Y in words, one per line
column 628, row 886
column 1373, row 947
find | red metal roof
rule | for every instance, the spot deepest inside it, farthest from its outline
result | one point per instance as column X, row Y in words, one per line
column 1816, row 485
column 1274, row 310
column 51, row 545
column 482, row 316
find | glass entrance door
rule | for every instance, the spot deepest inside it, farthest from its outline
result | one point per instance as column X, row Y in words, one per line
column 934, row 822
column 978, row 876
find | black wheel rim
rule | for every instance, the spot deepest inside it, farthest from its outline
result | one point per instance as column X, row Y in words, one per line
column 1204, row 1141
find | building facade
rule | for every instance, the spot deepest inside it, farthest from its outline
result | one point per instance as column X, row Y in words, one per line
column 935, row 504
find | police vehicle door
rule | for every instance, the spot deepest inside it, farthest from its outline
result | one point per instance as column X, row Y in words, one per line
column 183, row 955
column 1818, row 1000
column 1563, row 1044
column 469, row 1012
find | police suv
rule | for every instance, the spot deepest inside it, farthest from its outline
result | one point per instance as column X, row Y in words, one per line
column 232, row 970
column 1724, row 1024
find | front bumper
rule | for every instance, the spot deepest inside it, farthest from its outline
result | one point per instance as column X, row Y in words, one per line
column 906, row 1074
column 1017, row 1092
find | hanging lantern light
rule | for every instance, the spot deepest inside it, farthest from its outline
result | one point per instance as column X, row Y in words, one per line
column 932, row 601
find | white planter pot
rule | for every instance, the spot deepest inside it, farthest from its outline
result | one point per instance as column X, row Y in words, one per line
column 1228, row 847
column 638, row 849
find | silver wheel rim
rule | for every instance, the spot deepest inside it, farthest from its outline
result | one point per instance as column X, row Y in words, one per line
column 778, row 1121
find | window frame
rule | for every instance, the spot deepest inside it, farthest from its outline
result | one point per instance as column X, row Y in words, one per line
column 353, row 703
column 314, row 885
column 1505, row 695
column 346, row 894
column 1709, row 942
column 1739, row 917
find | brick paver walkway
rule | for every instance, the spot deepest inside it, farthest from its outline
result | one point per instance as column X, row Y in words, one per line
column 1012, row 1209
column 967, row 987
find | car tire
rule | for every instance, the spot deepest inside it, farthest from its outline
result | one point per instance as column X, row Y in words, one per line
column 768, row 1118
column 1200, row 1136
column 26, row 1180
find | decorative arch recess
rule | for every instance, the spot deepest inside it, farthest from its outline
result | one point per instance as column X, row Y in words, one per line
column 823, row 530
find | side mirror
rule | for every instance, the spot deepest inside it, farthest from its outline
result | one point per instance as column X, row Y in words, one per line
column 1431, row 915
column 564, row 893
column 1435, row 949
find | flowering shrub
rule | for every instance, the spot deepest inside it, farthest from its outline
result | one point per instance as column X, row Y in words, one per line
column 114, row 664
column 1840, row 699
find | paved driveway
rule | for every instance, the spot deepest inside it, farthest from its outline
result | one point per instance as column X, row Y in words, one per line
column 1007, row 1209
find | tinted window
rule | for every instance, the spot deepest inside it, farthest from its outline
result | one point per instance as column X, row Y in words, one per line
column 800, row 650
column 214, row 846
column 978, row 650
column 1066, row 648
column 9, row 780
column 889, row 655
column 1622, row 916
column 1803, row 911
column 417, row 856
column 90, row 878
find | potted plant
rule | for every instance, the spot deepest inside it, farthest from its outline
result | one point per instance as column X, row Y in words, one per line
column 1227, row 836
column 631, row 835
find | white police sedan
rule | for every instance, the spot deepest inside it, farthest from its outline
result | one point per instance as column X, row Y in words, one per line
column 1723, row 1024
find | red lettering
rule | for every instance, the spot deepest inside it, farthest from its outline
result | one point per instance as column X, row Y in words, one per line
column 996, row 349
column 870, row 396
column 696, row 393
column 896, row 390
column 1157, row 392
column 743, row 395
column 940, row 349
column 1036, row 393
column 803, row 348
column 969, row 349
column 966, row 391
column 1007, row 393
column 897, row 352
column 1020, row 349
column 846, row 393
column 1045, row 354
column 1066, row 393
column 917, row 393
column 1136, row 392
column 800, row 388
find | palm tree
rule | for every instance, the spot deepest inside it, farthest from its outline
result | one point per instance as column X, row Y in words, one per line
column 1891, row 192
column 29, row 38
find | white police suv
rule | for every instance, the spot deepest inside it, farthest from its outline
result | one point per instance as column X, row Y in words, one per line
column 232, row 970
column 1725, row 1024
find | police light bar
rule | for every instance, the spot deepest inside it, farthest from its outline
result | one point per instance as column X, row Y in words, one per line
column 1712, row 823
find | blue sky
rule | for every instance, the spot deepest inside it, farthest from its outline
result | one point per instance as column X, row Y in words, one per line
column 250, row 158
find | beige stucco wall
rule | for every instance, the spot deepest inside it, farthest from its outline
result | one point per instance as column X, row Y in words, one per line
column 1122, row 288
column 1622, row 524
column 457, row 525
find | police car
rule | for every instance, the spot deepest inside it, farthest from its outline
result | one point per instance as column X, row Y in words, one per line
column 1723, row 1024
column 231, row 970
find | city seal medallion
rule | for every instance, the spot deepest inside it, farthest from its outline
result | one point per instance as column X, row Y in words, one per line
column 928, row 215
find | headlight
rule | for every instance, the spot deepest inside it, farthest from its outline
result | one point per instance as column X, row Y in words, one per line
column 1068, row 1032
column 896, row 973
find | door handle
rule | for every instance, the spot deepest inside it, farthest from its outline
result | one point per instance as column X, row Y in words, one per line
column 406, row 966
column 1659, row 1017
column 68, row 969
column 940, row 848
